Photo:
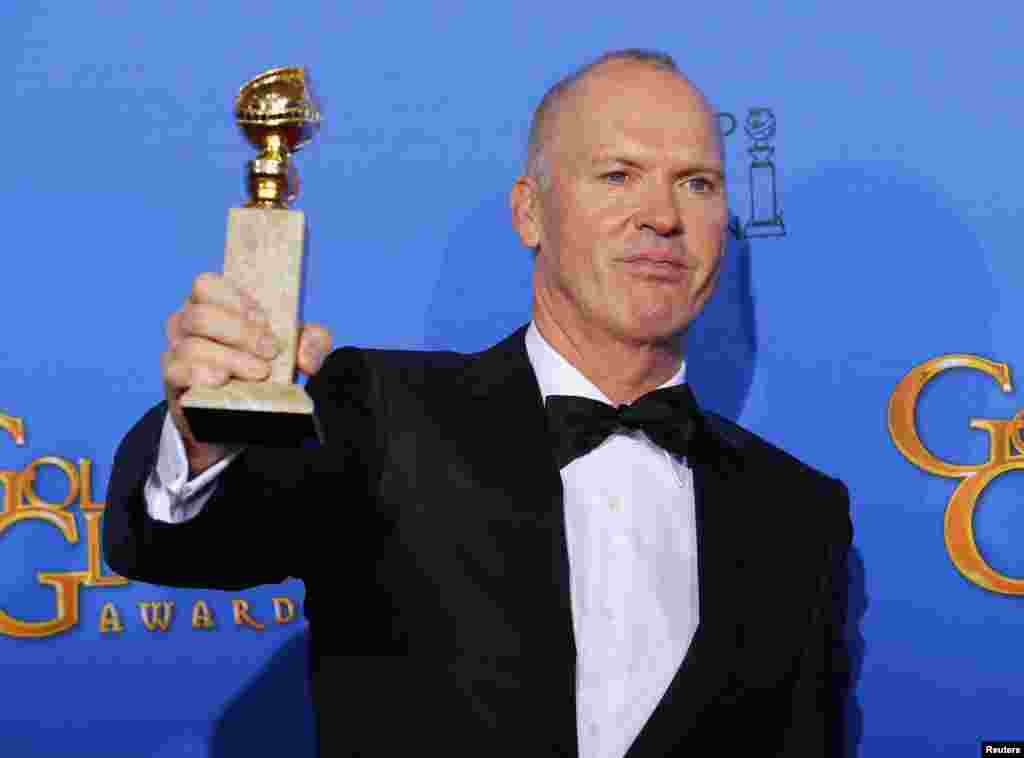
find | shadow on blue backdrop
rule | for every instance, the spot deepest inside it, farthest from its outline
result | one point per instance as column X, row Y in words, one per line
column 721, row 344
column 856, row 602
column 273, row 712
column 484, row 287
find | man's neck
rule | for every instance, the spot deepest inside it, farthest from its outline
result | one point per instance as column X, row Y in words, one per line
column 622, row 371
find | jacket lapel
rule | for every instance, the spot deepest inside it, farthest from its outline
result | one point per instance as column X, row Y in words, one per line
column 504, row 389
column 502, row 379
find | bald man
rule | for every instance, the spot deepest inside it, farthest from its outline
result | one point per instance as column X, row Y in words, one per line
column 546, row 548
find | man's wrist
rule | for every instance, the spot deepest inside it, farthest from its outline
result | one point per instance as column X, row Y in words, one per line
column 202, row 456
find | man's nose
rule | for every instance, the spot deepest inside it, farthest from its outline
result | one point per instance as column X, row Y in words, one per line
column 659, row 211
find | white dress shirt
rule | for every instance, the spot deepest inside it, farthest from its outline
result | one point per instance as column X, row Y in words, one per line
column 632, row 543
column 170, row 495
column 632, row 538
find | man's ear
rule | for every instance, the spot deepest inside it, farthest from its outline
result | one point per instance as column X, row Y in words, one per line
column 525, row 203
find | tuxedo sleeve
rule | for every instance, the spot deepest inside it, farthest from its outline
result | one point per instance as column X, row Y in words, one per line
column 274, row 509
column 823, row 680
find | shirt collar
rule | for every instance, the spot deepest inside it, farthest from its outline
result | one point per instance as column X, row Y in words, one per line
column 556, row 376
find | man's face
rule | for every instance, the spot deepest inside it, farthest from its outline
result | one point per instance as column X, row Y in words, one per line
column 631, row 228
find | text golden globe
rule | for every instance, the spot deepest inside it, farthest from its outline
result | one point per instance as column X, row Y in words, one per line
column 1006, row 453
column 20, row 502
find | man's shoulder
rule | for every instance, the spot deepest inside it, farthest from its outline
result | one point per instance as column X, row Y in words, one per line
column 759, row 454
column 402, row 366
column 798, row 494
column 393, row 378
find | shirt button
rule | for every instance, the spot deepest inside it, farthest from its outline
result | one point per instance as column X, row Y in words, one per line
column 615, row 502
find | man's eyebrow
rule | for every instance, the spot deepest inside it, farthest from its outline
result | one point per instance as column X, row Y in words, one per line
column 613, row 158
column 705, row 168
column 695, row 168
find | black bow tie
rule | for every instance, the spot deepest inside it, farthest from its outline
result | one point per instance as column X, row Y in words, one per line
column 668, row 416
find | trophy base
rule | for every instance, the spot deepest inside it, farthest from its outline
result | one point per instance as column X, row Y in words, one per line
column 253, row 413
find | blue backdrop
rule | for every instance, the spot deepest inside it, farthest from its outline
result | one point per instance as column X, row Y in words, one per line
column 898, row 171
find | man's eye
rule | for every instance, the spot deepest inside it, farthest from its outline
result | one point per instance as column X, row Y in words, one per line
column 615, row 177
column 700, row 185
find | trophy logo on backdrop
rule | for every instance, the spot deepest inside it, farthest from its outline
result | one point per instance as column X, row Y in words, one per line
column 1006, row 453
column 765, row 219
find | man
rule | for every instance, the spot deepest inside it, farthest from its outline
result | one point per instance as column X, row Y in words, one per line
column 511, row 571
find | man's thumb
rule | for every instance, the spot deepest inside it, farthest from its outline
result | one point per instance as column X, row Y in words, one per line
column 314, row 350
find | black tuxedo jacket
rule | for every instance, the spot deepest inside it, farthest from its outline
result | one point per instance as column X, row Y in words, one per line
column 429, row 533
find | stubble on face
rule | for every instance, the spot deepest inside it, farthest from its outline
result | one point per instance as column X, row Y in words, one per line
column 631, row 228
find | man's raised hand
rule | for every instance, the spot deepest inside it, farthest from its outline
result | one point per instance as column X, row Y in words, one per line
column 222, row 333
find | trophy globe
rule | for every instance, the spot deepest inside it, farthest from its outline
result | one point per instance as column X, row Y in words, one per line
column 278, row 114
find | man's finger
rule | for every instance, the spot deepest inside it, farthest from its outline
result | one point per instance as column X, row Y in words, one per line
column 204, row 374
column 239, row 363
column 173, row 330
column 314, row 344
column 214, row 289
column 177, row 373
column 214, row 323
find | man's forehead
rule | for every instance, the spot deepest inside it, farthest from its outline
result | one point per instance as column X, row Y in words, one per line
column 626, row 84
column 637, row 105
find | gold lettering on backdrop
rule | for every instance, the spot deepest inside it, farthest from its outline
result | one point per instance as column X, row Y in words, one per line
column 202, row 616
column 284, row 610
column 14, row 427
column 1006, row 453
column 110, row 619
column 242, row 617
column 21, row 502
column 157, row 615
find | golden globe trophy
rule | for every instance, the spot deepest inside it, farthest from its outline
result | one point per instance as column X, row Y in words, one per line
column 278, row 114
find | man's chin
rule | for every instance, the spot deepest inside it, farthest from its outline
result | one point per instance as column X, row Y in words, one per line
column 662, row 321
column 653, row 331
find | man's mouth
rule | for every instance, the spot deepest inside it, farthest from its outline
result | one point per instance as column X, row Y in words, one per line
column 662, row 264
column 654, row 267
